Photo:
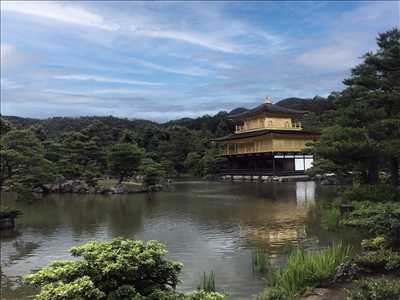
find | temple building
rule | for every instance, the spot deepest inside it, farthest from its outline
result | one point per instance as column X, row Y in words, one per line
column 268, row 140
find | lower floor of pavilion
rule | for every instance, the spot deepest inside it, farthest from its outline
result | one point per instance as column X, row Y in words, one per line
column 266, row 164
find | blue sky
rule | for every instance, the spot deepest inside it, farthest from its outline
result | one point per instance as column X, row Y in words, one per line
column 166, row 60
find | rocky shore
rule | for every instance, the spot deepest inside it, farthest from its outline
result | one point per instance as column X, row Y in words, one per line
column 102, row 187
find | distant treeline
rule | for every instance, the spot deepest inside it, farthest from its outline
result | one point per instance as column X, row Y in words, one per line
column 79, row 146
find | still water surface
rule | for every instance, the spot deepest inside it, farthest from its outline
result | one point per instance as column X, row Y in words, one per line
column 207, row 226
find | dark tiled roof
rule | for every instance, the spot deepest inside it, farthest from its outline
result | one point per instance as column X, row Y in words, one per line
column 271, row 132
column 268, row 107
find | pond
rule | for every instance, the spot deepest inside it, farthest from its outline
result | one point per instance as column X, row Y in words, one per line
column 208, row 226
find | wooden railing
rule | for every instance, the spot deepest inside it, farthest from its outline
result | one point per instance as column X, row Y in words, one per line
column 241, row 129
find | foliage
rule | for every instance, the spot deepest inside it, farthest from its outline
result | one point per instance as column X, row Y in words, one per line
column 376, row 243
column 107, row 269
column 152, row 171
column 23, row 165
column 304, row 270
column 203, row 295
column 377, row 193
column 366, row 134
column 378, row 261
column 377, row 218
column 375, row 289
column 124, row 159
column 119, row 269
column 330, row 218
column 260, row 261
column 207, row 282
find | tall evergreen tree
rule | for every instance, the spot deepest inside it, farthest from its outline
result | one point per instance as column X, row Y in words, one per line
column 366, row 135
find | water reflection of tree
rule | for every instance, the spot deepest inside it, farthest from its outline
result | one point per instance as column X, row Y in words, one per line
column 22, row 250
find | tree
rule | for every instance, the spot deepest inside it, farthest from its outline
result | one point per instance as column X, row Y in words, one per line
column 366, row 134
column 115, row 270
column 23, row 165
column 152, row 171
column 192, row 163
column 124, row 160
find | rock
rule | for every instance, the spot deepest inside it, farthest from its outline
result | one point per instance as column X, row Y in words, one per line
column 346, row 272
column 38, row 190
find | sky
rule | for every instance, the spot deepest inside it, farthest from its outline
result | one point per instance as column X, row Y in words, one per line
column 167, row 60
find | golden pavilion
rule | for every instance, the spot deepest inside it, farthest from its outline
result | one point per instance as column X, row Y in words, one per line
column 267, row 140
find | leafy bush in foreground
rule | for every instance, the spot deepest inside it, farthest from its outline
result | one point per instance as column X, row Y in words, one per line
column 375, row 289
column 120, row 269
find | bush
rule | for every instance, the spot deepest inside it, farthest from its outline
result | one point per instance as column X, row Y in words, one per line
column 378, row 261
column 376, row 243
column 374, row 193
column 120, row 269
column 375, row 289
column 377, row 218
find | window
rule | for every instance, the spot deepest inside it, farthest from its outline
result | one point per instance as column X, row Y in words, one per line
column 269, row 123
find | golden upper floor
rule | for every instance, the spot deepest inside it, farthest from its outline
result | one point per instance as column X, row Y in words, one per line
column 267, row 122
column 267, row 116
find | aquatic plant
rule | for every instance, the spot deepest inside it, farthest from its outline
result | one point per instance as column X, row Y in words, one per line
column 260, row 261
column 207, row 282
column 330, row 218
column 305, row 270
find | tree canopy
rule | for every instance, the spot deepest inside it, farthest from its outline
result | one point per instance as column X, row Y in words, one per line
column 366, row 134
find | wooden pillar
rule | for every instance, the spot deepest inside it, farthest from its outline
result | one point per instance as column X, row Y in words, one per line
column 273, row 164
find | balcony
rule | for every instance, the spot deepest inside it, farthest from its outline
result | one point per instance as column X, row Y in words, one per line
column 244, row 128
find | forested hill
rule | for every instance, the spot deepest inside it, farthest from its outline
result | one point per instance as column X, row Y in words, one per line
column 181, row 145
column 316, row 105
column 216, row 125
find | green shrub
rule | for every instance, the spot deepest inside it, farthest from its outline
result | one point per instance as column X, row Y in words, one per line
column 377, row 218
column 120, row 269
column 375, row 289
column 381, row 260
column 304, row 270
column 376, row 243
column 374, row 193
column 203, row 295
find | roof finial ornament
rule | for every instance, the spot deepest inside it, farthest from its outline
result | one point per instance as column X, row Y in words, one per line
column 267, row 100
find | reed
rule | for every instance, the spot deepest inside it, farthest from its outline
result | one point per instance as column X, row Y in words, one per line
column 207, row 282
column 260, row 261
column 330, row 218
column 305, row 270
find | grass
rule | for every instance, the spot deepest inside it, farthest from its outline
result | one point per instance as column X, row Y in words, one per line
column 260, row 261
column 305, row 270
column 207, row 282
column 330, row 218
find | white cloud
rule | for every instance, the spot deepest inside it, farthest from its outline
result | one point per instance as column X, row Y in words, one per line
column 190, row 71
column 58, row 11
column 84, row 77
column 9, row 84
column 189, row 37
column 350, row 36
column 332, row 58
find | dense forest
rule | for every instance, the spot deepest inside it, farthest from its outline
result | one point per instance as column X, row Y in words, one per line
column 82, row 147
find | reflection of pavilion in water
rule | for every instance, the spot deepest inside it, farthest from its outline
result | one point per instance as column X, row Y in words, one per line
column 287, row 225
